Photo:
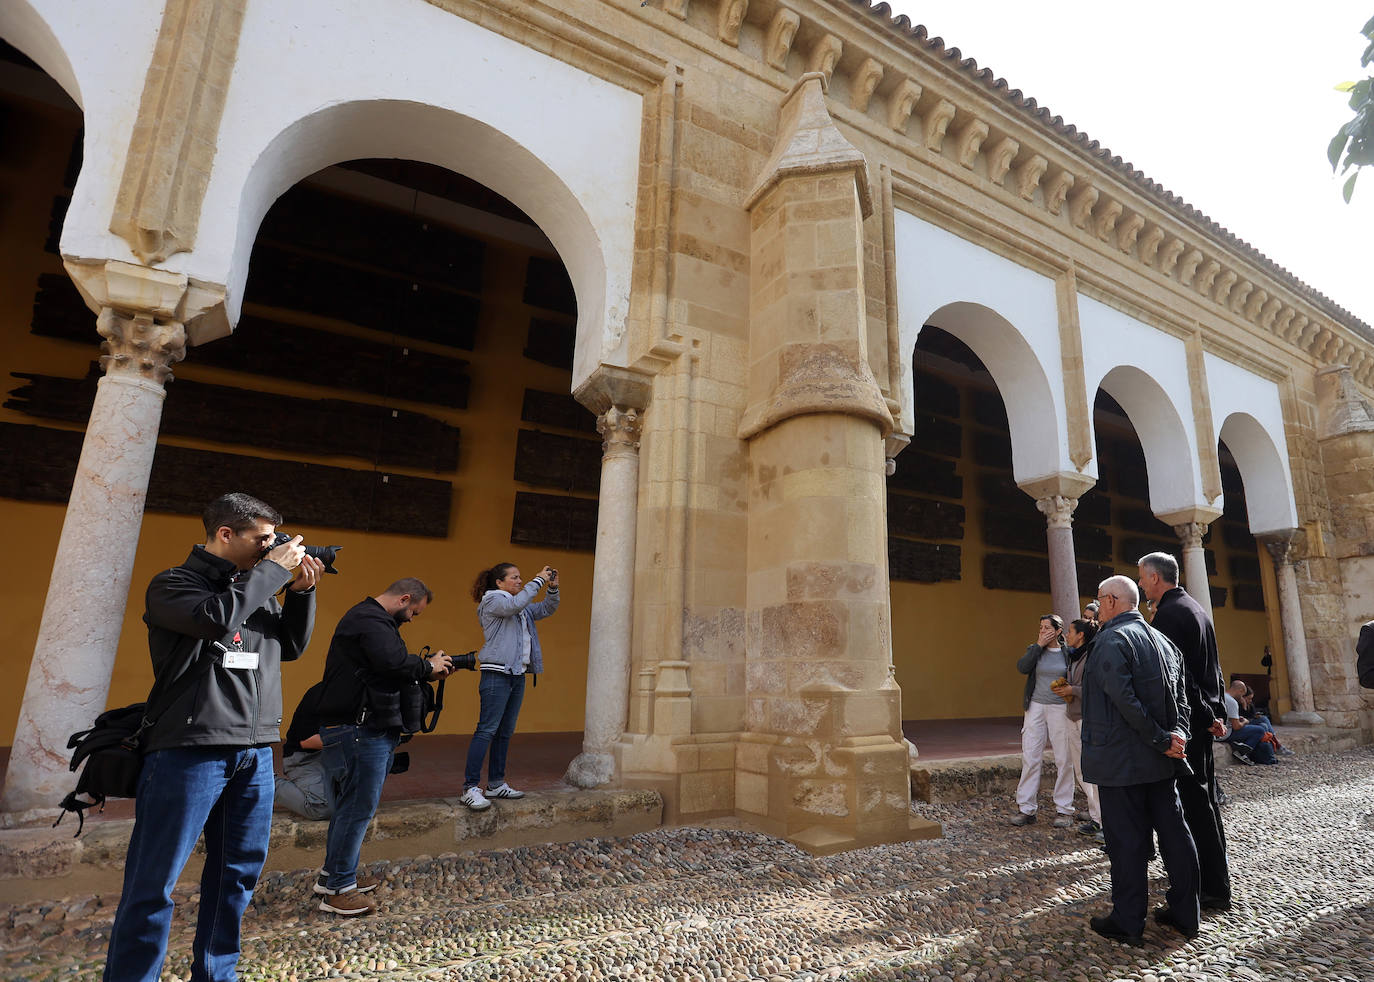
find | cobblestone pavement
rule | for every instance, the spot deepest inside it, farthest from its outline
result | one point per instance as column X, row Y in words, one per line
column 987, row 902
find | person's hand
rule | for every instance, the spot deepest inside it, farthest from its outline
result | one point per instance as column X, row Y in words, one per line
column 288, row 555
column 308, row 573
column 545, row 574
column 1218, row 728
column 553, row 580
column 1177, row 747
column 440, row 664
column 1048, row 636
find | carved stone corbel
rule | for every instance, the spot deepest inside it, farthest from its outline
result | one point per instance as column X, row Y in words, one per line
column 1169, row 255
column 969, row 140
column 1081, row 201
column 1105, row 217
column 935, row 122
column 1281, row 322
column 1223, row 288
column 1268, row 312
column 1128, row 231
column 825, row 54
column 782, row 29
column 1239, row 294
column 1057, row 190
column 1187, row 266
column 902, row 103
column 1028, row 176
column 730, row 19
column 864, row 83
column 1258, row 300
column 1149, row 244
column 1296, row 325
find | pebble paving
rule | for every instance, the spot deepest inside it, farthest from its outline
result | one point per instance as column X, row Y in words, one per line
column 987, row 902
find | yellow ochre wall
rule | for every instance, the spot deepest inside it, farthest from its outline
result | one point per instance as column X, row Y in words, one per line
column 31, row 168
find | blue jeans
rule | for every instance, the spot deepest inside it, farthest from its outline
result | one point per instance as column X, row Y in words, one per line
column 356, row 760
column 225, row 792
column 501, row 696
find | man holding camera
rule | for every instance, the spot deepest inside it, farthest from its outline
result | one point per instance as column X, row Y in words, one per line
column 208, row 759
column 359, row 709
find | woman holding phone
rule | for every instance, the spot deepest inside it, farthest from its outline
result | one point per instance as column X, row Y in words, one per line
column 510, row 650
column 1044, row 664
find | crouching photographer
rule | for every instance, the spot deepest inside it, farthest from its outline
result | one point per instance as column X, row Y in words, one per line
column 366, row 672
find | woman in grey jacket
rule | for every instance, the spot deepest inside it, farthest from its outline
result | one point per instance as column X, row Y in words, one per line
column 507, row 612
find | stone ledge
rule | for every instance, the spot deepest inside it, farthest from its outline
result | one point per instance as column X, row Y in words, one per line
column 44, row 862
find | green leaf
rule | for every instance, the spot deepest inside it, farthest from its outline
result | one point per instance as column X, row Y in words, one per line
column 1368, row 29
column 1349, row 188
column 1334, row 148
column 1345, row 86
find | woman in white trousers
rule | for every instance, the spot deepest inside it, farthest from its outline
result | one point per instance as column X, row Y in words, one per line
column 1046, row 721
column 1079, row 636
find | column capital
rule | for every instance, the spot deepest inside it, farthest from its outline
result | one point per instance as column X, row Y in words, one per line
column 620, row 428
column 893, row 444
column 1281, row 545
column 137, row 345
column 165, row 297
column 1057, row 509
column 1190, row 534
column 611, row 386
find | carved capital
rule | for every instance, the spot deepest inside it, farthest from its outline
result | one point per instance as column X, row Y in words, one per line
column 1057, row 191
column 935, row 122
column 1028, row 176
column 1281, row 546
column 165, row 297
column 619, row 427
column 1190, row 534
column 610, row 387
column 824, row 56
column 1058, row 510
column 864, row 83
column 782, row 29
column 731, row 19
column 901, row 104
column 893, row 445
column 137, row 344
column 970, row 140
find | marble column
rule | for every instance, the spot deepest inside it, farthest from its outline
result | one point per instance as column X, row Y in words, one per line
column 69, row 678
column 1058, row 512
column 1195, row 563
column 612, row 616
column 1303, row 713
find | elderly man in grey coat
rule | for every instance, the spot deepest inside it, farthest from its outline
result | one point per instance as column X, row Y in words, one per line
column 1135, row 729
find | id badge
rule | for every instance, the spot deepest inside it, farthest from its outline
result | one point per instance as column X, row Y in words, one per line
column 247, row 660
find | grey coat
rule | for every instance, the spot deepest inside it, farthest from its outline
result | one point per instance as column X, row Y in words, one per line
column 500, row 614
column 1134, row 698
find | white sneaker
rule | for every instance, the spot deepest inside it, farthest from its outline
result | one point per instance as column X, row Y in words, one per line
column 504, row 790
column 475, row 800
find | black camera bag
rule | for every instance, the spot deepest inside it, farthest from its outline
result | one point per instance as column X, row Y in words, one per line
column 111, row 752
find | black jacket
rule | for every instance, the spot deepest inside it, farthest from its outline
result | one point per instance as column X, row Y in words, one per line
column 1364, row 651
column 367, row 646
column 1182, row 620
column 1133, row 699
column 200, row 602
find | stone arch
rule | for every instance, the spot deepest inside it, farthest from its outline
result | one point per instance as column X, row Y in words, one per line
column 1170, row 458
column 962, row 288
column 427, row 133
column 1264, row 471
column 22, row 25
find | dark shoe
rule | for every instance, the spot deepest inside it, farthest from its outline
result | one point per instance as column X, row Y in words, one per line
column 1023, row 819
column 1241, row 755
column 1112, row 931
column 1089, row 828
column 1215, row 903
column 1165, row 916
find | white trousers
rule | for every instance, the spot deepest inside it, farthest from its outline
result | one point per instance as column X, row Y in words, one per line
column 1089, row 790
column 1046, row 723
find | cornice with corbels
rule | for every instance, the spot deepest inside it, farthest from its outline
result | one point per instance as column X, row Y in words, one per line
column 936, row 109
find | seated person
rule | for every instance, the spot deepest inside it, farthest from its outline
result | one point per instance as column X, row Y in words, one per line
column 1252, row 739
column 304, row 789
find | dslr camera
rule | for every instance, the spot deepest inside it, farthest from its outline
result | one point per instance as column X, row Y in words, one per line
column 325, row 554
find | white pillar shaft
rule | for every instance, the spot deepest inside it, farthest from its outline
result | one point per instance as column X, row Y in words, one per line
column 1195, row 564
column 69, row 679
column 1294, row 640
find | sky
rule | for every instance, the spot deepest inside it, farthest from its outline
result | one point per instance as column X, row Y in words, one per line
column 1228, row 104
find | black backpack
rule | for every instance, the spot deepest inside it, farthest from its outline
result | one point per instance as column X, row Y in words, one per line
column 111, row 753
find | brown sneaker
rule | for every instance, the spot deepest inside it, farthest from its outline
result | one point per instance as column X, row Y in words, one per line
column 363, row 884
column 350, row 903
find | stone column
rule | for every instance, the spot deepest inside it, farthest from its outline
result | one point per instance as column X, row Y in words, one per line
column 612, row 620
column 1280, row 546
column 1058, row 512
column 141, row 318
column 1195, row 563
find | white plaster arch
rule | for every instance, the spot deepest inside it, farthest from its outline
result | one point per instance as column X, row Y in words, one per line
column 1007, row 315
column 1146, row 371
column 1251, row 412
column 24, row 25
column 417, row 82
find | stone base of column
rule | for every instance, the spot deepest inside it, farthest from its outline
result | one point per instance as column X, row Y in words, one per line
column 1301, row 719
column 591, row 770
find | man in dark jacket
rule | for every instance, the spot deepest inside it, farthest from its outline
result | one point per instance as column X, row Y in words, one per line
column 1135, row 724
column 208, row 761
column 360, row 724
column 1183, row 621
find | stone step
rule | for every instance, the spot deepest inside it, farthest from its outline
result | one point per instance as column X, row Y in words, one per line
column 37, row 863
